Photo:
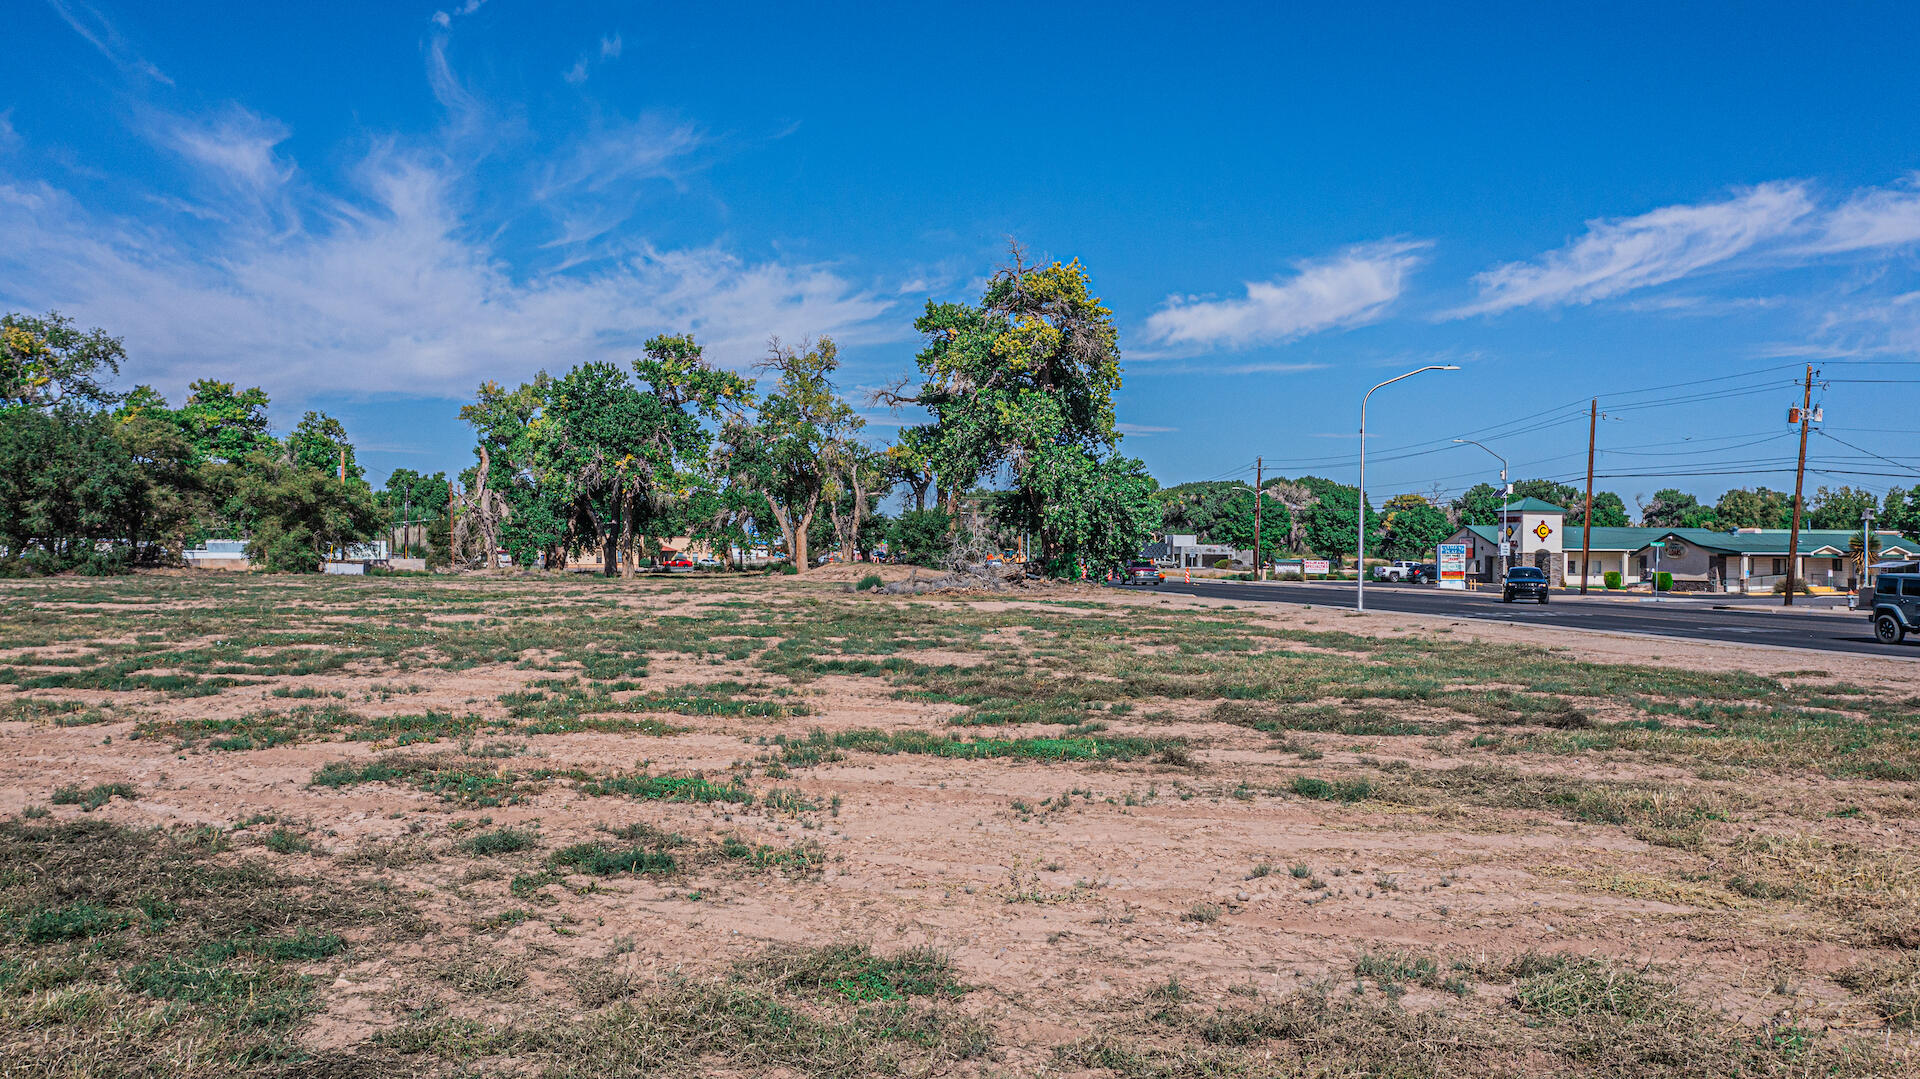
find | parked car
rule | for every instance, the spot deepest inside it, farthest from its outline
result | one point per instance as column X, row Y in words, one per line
column 1894, row 606
column 679, row 564
column 1425, row 573
column 707, row 561
column 1142, row 572
column 1399, row 571
column 1525, row 582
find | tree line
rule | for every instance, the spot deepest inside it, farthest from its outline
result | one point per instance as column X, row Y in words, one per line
column 605, row 462
column 610, row 461
column 1316, row 516
column 101, row 481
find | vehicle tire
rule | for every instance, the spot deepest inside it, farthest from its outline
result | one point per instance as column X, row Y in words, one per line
column 1506, row 597
column 1544, row 597
column 1888, row 630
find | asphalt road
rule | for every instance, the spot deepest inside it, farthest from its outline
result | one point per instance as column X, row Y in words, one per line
column 1694, row 619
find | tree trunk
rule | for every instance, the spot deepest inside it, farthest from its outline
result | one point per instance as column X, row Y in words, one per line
column 785, row 521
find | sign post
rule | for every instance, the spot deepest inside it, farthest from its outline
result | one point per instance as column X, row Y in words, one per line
column 1453, row 566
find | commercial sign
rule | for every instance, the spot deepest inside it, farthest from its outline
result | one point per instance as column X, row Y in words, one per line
column 1453, row 566
column 1314, row 565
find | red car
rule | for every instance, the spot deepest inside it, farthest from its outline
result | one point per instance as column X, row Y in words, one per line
column 679, row 564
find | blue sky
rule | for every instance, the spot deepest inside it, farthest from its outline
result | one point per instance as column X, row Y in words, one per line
column 371, row 208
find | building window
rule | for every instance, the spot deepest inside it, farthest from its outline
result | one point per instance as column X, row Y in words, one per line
column 1779, row 565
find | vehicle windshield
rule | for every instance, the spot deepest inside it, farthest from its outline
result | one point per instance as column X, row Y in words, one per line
column 1525, row 573
column 1140, row 565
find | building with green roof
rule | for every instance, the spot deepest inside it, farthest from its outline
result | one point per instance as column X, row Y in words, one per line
column 1747, row 559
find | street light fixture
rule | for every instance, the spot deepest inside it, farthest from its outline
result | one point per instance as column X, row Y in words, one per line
column 1360, row 511
column 1506, row 492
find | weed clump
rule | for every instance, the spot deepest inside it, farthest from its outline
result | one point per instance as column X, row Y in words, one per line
column 93, row 797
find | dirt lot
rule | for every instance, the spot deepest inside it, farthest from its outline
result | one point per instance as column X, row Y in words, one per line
column 532, row 826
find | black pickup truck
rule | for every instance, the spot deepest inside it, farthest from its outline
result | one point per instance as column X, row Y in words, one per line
column 1894, row 606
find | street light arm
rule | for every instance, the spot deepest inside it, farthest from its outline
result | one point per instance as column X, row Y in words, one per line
column 1360, row 510
column 1496, row 456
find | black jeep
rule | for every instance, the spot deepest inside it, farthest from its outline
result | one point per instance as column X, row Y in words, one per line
column 1525, row 582
column 1894, row 606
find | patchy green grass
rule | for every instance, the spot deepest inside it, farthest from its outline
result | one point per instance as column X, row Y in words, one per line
column 136, row 953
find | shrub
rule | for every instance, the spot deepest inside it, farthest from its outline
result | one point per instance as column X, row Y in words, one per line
column 1614, row 581
column 871, row 581
column 1663, row 581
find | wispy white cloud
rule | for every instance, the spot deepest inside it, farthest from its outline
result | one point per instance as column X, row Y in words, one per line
column 392, row 296
column 1349, row 289
column 1617, row 256
column 237, row 146
column 576, row 74
column 654, row 146
column 610, row 46
column 1873, row 218
column 1143, row 429
column 97, row 31
column 9, row 138
column 444, row 19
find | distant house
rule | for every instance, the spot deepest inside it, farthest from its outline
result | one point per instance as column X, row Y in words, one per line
column 1185, row 551
column 1747, row 559
column 218, row 554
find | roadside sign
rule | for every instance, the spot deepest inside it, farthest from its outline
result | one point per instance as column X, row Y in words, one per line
column 1453, row 566
column 1314, row 566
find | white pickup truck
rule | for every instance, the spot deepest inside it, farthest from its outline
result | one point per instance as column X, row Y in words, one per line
column 1399, row 571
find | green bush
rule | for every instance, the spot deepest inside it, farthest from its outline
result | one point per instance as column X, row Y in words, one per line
column 1663, row 581
column 920, row 537
column 1614, row 581
column 870, row 581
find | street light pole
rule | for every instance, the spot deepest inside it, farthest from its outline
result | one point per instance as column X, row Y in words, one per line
column 1360, row 511
column 1506, row 492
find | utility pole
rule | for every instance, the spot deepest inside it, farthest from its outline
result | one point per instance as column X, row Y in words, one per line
column 1586, row 530
column 1799, row 480
column 1259, row 566
column 1866, row 550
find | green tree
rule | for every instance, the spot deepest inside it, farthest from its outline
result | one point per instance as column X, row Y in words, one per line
column 1609, row 510
column 1024, row 381
column 1901, row 511
column 1329, row 527
column 1671, row 508
column 1564, row 495
column 71, row 495
column 920, row 537
column 298, row 514
column 1841, row 508
column 319, row 441
column 412, row 500
column 1411, row 527
column 222, row 424
column 1479, row 505
column 46, row 360
column 1755, row 508
column 784, row 453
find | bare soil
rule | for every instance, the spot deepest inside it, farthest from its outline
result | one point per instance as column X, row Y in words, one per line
column 1066, row 891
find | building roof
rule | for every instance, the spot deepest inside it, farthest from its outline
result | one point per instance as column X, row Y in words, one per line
column 1531, row 504
column 1772, row 541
